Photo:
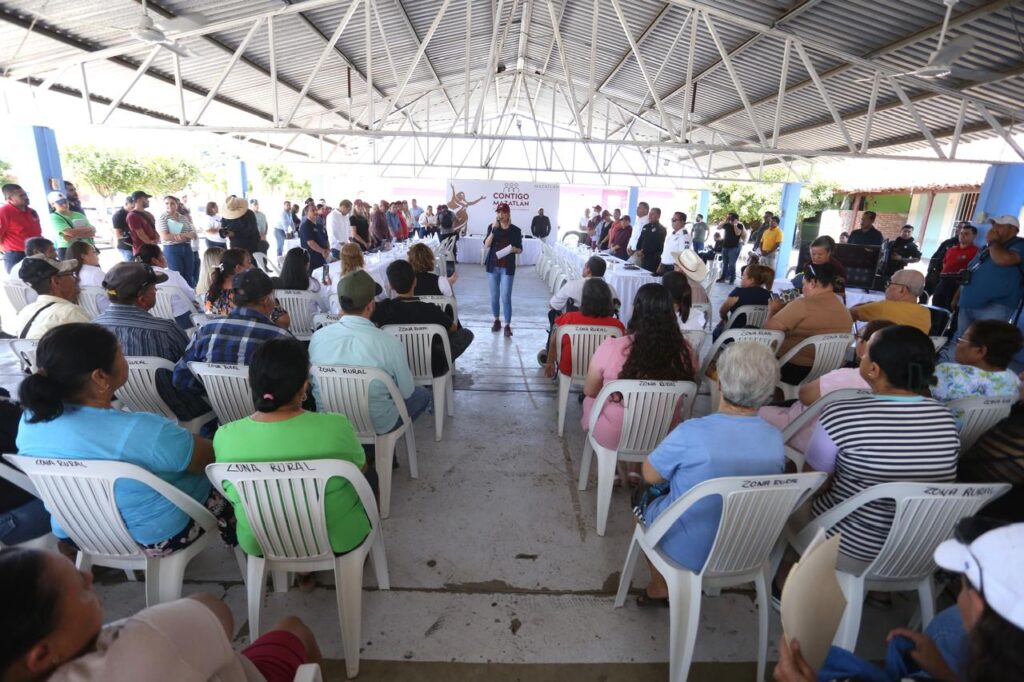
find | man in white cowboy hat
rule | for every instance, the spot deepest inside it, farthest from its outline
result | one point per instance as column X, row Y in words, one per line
column 238, row 223
column 993, row 284
column 696, row 270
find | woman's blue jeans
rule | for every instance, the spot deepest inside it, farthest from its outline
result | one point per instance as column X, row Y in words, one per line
column 501, row 289
column 179, row 258
column 279, row 236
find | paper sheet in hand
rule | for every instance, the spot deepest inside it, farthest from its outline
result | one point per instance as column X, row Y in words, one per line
column 503, row 252
column 812, row 601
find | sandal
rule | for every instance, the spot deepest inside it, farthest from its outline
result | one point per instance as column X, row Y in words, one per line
column 647, row 601
column 634, row 479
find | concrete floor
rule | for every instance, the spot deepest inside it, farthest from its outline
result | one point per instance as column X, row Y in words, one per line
column 496, row 569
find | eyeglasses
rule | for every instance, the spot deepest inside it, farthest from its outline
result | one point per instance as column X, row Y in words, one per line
column 964, row 339
column 891, row 283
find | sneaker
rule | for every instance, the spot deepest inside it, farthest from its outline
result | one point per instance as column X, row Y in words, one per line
column 496, row 327
column 508, row 331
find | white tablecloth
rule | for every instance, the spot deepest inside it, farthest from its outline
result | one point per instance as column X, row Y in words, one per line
column 853, row 296
column 471, row 250
column 376, row 265
column 625, row 282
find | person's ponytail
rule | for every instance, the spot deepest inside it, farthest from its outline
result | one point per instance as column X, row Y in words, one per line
column 66, row 358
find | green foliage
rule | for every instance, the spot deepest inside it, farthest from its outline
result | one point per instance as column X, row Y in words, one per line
column 113, row 172
column 5, row 177
column 276, row 178
column 750, row 200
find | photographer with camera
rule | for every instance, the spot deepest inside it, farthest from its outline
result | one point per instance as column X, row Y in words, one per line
column 238, row 223
column 991, row 286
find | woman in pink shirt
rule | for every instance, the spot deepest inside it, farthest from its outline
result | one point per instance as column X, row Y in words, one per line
column 654, row 349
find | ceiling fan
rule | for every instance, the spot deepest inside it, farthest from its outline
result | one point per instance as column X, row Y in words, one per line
column 941, row 63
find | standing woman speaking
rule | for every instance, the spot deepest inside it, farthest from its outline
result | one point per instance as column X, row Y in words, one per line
column 504, row 240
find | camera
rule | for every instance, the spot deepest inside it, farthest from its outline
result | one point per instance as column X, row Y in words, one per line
column 224, row 233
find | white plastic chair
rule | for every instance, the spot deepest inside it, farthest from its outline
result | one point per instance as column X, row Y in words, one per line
column 706, row 309
column 301, row 306
column 417, row 339
column 445, row 303
column 812, row 412
column 165, row 297
column 346, row 390
column 139, row 393
column 976, row 415
column 16, row 295
column 755, row 316
column 939, row 342
column 284, row 503
column 227, row 389
column 199, row 319
column 24, row 350
column 754, row 514
column 926, row 515
column 768, row 337
column 80, row 495
column 648, row 409
column 696, row 338
column 829, row 354
column 89, row 299
column 323, row 319
column 308, row 672
column 263, row 263
column 583, row 341
column 47, row 541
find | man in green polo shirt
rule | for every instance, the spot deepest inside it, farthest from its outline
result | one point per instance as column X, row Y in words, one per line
column 68, row 226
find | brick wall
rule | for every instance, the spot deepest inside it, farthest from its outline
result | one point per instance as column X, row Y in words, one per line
column 889, row 224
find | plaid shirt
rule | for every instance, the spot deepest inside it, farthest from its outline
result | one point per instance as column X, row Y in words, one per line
column 229, row 341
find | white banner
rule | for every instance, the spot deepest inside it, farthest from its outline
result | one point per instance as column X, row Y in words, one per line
column 474, row 203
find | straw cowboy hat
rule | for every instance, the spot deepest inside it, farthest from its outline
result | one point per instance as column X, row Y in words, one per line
column 234, row 207
column 692, row 265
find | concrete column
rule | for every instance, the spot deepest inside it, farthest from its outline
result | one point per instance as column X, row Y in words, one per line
column 238, row 179
column 34, row 155
column 632, row 201
column 1002, row 193
column 704, row 202
column 787, row 221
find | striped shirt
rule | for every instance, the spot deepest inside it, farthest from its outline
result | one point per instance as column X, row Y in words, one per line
column 879, row 439
column 142, row 334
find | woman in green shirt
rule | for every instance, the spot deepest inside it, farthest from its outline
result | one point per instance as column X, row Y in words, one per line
column 280, row 430
column 68, row 226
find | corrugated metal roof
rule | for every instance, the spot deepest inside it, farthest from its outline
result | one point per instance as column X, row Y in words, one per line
column 900, row 35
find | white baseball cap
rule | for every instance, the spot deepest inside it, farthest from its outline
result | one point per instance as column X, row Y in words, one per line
column 55, row 196
column 991, row 563
column 1006, row 220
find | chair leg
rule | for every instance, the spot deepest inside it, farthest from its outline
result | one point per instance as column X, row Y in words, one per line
column 385, row 456
column 849, row 626
column 588, row 454
column 926, row 594
column 152, row 582
column 240, row 559
column 684, row 618
column 281, row 581
column 255, row 589
column 172, row 573
column 450, row 388
column 410, row 450
column 348, row 578
column 605, row 481
column 626, row 578
column 380, row 563
column 762, row 583
column 439, row 408
column 563, row 401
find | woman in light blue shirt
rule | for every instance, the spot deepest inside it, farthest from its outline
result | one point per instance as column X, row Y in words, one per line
column 69, row 415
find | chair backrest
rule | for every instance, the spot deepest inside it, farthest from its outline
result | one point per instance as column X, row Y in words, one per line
column 323, row 319
column 227, row 389
column 445, row 303
column 754, row 513
column 80, row 495
column 89, row 300
column 199, row 319
column 25, row 352
column 938, row 342
column 301, row 305
column 165, row 297
column 926, row 515
column 18, row 478
column 17, row 294
column 284, row 502
column 976, row 415
column 695, row 337
column 268, row 265
column 829, row 353
column 754, row 316
column 648, row 409
column 940, row 319
column 345, row 390
column 768, row 337
column 706, row 309
column 139, row 392
column 812, row 412
column 417, row 339
column 583, row 341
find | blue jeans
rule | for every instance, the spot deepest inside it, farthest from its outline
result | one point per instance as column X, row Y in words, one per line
column 179, row 259
column 127, row 255
column 501, row 287
column 992, row 311
column 184, row 321
column 418, row 402
column 24, row 523
column 698, row 246
column 729, row 258
column 279, row 237
column 12, row 258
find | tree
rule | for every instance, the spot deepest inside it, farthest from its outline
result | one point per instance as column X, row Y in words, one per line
column 751, row 200
column 169, row 175
column 109, row 172
column 5, row 177
column 274, row 176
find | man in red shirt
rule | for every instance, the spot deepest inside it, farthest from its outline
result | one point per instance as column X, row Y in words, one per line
column 18, row 223
column 141, row 223
column 957, row 259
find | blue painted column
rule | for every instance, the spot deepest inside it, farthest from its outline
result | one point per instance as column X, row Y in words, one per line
column 787, row 221
column 632, row 201
column 35, row 157
column 238, row 179
column 1002, row 193
column 704, row 202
